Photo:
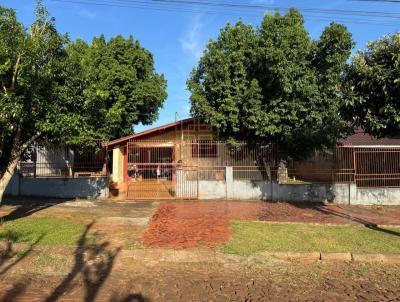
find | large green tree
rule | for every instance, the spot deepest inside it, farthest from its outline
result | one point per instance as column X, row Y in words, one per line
column 109, row 87
column 224, row 92
column 273, row 83
column 30, row 67
column 55, row 91
column 372, row 87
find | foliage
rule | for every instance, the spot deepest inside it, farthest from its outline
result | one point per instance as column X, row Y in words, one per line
column 273, row 83
column 45, row 230
column 57, row 91
column 109, row 87
column 251, row 237
column 30, row 68
column 372, row 83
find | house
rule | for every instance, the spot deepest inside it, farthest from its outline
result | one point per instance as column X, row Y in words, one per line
column 61, row 172
column 64, row 161
column 183, row 160
column 362, row 139
column 359, row 158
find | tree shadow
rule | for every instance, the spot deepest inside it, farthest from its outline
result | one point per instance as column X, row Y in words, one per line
column 8, row 253
column 129, row 298
column 93, row 261
column 15, row 291
column 26, row 207
column 351, row 218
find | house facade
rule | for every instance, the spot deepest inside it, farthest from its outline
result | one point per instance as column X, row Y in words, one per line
column 185, row 160
column 181, row 160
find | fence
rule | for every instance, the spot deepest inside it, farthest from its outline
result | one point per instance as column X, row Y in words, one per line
column 64, row 162
column 365, row 166
column 206, row 160
column 377, row 167
column 209, row 157
column 171, row 169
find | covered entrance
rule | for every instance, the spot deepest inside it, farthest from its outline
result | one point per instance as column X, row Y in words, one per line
column 155, row 170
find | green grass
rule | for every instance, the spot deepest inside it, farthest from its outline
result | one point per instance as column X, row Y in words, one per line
column 42, row 230
column 55, row 262
column 251, row 237
column 296, row 182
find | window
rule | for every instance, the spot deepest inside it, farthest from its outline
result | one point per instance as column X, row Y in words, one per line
column 204, row 148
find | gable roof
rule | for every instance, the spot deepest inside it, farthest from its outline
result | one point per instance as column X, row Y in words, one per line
column 148, row 132
column 360, row 138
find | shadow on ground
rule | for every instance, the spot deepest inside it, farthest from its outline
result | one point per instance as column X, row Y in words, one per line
column 364, row 222
column 8, row 257
column 26, row 207
column 93, row 263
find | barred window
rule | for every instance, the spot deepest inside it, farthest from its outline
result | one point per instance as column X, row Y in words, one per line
column 204, row 148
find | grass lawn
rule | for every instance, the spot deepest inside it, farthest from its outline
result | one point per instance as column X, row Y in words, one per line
column 296, row 182
column 43, row 230
column 250, row 237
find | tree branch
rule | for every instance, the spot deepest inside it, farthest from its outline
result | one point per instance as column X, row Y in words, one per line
column 14, row 77
column 4, row 88
column 28, row 143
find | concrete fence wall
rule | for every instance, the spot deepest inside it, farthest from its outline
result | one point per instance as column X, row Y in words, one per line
column 229, row 188
column 82, row 187
column 265, row 190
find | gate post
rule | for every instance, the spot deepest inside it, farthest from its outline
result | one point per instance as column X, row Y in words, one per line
column 179, row 180
column 229, row 182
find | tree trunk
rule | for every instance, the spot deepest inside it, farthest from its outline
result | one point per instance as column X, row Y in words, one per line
column 16, row 153
column 5, row 179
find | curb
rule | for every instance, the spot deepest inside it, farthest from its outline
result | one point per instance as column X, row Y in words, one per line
column 153, row 256
column 336, row 257
column 291, row 256
column 374, row 258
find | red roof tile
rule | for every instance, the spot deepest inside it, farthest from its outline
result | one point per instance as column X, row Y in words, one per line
column 148, row 132
column 360, row 138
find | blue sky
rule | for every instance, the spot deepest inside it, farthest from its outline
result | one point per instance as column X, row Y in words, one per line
column 177, row 38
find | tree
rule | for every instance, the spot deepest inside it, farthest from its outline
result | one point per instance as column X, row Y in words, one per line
column 110, row 86
column 29, row 70
column 284, row 85
column 372, row 87
column 58, row 92
column 222, row 86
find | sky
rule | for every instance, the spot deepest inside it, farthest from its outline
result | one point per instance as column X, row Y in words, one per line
column 178, row 37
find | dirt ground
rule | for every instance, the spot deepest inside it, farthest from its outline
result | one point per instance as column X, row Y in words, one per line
column 188, row 224
column 121, row 223
column 208, row 282
column 192, row 224
column 97, row 270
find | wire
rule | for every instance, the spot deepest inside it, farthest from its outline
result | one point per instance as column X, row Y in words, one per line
column 264, row 6
column 381, row 1
column 173, row 7
column 219, row 4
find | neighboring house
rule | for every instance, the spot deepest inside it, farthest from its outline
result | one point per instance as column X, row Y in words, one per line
column 359, row 158
column 58, row 161
column 64, row 172
column 361, row 139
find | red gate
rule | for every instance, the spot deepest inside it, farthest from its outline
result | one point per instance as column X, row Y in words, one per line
column 156, row 171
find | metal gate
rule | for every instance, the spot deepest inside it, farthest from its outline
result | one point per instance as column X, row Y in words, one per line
column 155, row 171
column 377, row 166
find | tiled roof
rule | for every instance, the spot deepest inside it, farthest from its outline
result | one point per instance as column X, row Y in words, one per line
column 148, row 132
column 360, row 138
